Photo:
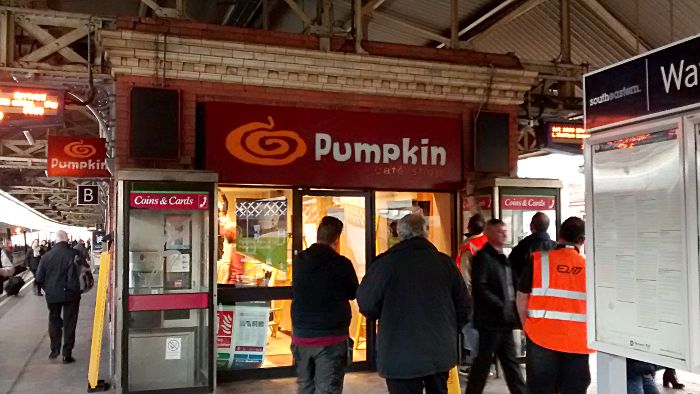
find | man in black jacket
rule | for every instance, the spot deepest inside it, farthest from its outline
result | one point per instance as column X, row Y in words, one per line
column 62, row 292
column 323, row 282
column 538, row 241
column 495, row 314
column 419, row 297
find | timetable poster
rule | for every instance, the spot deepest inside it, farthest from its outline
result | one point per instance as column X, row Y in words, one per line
column 640, row 285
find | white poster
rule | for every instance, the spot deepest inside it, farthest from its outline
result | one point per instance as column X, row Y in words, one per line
column 242, row 336
column 638, row 244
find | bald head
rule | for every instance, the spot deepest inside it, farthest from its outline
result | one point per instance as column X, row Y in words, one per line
column 539, row 223
column 61, row 236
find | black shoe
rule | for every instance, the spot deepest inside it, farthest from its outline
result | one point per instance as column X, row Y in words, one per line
column 670, row 380
column 53, row 355
column 68, row 359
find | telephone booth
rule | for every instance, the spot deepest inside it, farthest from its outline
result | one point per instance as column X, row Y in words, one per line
column 165, row 282
column 515, row 201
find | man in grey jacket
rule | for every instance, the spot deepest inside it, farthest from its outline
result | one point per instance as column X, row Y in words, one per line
column 422, row 303
column 62, row 293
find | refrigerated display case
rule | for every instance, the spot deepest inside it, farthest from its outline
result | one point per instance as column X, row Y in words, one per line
column 166, row 283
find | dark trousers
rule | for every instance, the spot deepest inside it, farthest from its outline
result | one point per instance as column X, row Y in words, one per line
column 549, row 369
column 64, row 326
column 37, row 288
column 320, row 370
column 499, row 343
column 433, row 384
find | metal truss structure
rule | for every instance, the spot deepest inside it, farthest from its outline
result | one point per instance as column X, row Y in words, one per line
column 47, row 49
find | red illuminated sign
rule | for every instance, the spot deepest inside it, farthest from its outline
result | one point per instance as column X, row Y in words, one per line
column 274, row 145
column 169, row 200
column 528, row 203
column 77, row 157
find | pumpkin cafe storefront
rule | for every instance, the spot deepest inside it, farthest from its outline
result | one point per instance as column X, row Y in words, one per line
column 282, row 169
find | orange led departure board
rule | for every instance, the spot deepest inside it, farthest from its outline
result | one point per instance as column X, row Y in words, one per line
column 30, row 106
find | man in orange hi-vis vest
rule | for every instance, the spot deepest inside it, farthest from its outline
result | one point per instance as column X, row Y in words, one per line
column 476, row 239
column 552, row 305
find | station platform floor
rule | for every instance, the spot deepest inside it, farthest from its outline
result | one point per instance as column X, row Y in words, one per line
column 26, row 369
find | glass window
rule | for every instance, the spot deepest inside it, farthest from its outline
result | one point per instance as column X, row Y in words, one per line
column 254, row 250
column 166, row 253
column 518, row 208
column 436, row 207
column 254, row 237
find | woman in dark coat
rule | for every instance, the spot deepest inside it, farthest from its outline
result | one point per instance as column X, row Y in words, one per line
column 32, row 262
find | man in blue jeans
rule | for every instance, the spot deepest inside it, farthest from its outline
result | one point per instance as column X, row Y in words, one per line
column 323, row 283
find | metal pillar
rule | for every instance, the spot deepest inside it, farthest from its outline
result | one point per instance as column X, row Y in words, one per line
column 612, row 373
column 266, row 14
column 454, row 24
column 326, row 24
column 566, row 88
column 359, row 26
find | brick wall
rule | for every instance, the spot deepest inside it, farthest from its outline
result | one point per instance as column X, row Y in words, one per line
column 217, row 63
column 193, row 92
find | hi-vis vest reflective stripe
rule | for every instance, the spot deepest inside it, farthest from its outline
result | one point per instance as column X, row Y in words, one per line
column 557, row 305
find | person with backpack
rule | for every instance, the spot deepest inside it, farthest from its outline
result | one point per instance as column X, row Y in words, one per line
column 60, row 275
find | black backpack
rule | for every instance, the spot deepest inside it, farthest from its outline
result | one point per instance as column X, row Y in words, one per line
column 80, row 279
column 13, row 285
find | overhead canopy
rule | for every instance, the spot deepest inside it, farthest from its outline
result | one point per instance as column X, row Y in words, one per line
column 16, row 213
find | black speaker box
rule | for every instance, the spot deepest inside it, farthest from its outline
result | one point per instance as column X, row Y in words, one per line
column 491, row 143
column 155, row 123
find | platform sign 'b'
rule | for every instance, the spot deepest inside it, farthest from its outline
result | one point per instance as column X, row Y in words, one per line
column 88, row 195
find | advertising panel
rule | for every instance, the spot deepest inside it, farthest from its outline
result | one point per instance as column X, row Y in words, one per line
column 242, row 336
column 262, row 230
column 77, row 157
column 258, row 144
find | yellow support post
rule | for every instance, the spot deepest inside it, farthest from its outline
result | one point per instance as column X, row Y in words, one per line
column 97, row 326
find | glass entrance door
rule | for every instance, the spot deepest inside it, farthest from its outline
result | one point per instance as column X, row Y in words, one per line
column 260, row 232
column 352, row 209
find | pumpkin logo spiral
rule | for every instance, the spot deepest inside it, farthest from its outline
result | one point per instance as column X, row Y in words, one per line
column 79, row 150
column 257, row 143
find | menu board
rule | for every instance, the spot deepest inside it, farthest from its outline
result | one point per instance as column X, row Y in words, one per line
column 639, row 264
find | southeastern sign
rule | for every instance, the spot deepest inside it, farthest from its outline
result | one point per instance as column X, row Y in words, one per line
column 662, row 80
column 271, row 145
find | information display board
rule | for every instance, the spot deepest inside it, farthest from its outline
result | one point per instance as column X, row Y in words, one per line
column 642, row 174
column 639, row 278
